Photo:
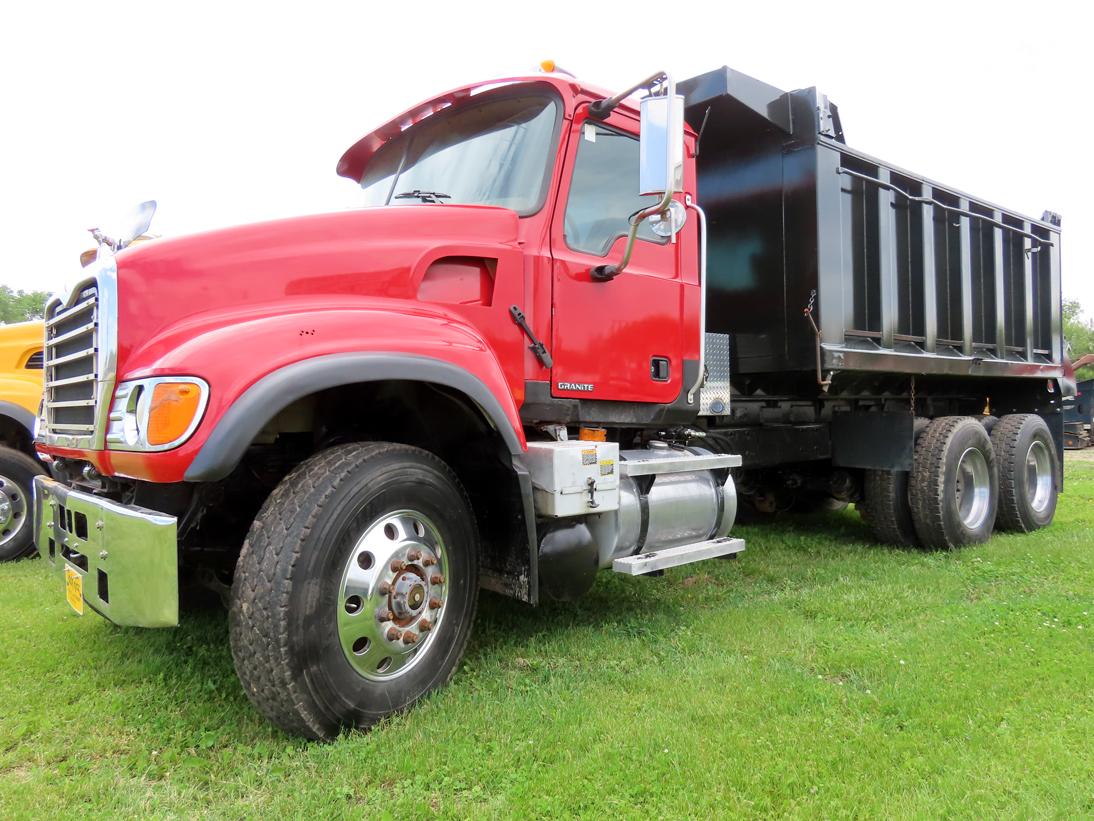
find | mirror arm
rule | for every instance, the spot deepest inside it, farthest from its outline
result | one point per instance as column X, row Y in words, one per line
column 102, row 239
column 600, row 109
column 606, row 273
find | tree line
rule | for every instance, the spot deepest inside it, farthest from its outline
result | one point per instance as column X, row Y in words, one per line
column 19, row 306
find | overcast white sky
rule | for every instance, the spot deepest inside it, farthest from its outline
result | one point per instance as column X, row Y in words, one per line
column 232, row 112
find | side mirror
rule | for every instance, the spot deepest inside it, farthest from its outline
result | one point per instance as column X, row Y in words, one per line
column 137, row 222
column 661, row 145
column 129, row 228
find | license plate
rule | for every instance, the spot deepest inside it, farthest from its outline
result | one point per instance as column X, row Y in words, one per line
column 74, row 590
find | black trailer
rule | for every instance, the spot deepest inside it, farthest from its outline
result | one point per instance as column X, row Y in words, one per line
column 863, row 303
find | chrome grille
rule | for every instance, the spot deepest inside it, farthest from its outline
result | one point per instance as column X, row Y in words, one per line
column 71, row 364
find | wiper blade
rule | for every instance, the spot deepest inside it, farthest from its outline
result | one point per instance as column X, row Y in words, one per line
column 424, row 196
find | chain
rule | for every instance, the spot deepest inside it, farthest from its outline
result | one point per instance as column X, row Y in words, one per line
column 824, row 383
column 912, row 408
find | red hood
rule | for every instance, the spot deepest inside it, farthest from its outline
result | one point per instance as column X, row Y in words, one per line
column 368, row 252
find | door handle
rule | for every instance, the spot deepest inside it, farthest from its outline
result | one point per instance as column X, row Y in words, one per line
column 603, row 273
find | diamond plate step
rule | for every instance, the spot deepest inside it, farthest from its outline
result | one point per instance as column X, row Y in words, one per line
column 714, row 394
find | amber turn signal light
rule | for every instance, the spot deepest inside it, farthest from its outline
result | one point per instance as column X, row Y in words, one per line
column 593, row 435
column 173, row 408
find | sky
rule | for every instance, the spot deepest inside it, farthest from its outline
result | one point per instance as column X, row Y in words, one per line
column 234, row 112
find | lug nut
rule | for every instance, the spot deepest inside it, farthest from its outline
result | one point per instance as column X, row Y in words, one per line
column 384, row 588
column 384, row 615
column 414, row 555
column 429, row 561
column 425, row 625
column 409, row 637
column 436, row 578
column 393, row 634
column 397, row 565
column 434, row 604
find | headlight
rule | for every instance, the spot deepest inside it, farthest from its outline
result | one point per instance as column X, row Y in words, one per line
column 156, row 414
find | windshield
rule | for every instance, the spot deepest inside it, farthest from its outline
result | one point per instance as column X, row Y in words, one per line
column 487, row 152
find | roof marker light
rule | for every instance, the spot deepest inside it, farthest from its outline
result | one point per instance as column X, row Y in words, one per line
column 551, row 67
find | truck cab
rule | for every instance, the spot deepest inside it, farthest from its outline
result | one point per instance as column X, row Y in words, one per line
column 579, row 181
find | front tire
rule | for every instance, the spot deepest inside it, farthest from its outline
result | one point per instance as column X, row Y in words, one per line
column 954, row 483
column 1028, row 467
column 355, row 590
column 17, row 472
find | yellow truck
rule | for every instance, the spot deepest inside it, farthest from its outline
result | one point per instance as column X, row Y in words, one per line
column 20, row 394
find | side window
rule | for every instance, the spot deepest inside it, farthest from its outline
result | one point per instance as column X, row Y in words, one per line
column 604, row 191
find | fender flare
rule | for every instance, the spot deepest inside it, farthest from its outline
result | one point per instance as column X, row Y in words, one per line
column 19, row 414
column 237, row 428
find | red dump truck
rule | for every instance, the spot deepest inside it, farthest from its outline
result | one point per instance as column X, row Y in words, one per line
column 567, row 331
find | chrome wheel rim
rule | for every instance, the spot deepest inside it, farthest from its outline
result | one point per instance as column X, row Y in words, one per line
column 973, row 488
column 13, row 510
column 392, row 596
column 1038, row 476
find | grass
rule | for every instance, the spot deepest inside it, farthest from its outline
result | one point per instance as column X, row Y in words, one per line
column 818, row 675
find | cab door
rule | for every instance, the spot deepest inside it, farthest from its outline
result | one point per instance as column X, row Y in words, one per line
column 620, row 340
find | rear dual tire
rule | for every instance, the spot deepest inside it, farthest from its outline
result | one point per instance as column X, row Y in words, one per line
column 953, row 489
column 1028, row 471
column 885, row 508
column 964, row 482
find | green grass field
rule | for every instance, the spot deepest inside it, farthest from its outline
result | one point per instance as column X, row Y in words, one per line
column 818, row 675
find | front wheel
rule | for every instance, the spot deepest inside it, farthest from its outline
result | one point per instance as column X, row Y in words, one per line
column 355, row 590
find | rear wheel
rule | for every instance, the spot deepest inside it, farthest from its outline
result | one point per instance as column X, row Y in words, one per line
column 355, row 589
column 17, row 472
column 885, row 507
column 954, row 484
column 1028, row 465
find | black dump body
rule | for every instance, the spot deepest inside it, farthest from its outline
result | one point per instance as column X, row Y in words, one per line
column 909, row 276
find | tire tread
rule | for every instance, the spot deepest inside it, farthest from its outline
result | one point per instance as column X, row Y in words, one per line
column 1004, row 439
column 882, row 507
column 926, row 487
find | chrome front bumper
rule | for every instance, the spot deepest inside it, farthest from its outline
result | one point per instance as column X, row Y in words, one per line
column 127, row 556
